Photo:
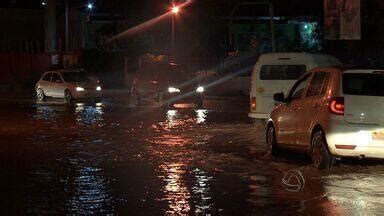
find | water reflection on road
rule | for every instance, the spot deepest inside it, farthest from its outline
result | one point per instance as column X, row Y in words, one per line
column 88, row 115
column 105, row 159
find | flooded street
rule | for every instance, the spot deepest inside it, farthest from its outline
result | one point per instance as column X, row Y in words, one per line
column 108, row 158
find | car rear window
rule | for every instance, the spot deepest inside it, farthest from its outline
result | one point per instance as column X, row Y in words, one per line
column 282, row 72
column 363, row 84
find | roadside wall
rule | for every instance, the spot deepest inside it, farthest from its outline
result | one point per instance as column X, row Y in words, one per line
column 19, row 71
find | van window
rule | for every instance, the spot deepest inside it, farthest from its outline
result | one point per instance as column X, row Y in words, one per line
column 47, row 77
column 318, row 84
column 363, row 84
column 282, row 72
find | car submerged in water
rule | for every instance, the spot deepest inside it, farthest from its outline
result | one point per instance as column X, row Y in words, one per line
column 67, row 84
column 166, row 85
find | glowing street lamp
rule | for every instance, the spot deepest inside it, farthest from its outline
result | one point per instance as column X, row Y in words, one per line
column 90, row 6
column 175, row 9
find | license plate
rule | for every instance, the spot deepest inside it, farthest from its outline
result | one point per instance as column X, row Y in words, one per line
column 378, row 135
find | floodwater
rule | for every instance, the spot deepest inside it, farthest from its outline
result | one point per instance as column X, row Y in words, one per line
column 111, row 159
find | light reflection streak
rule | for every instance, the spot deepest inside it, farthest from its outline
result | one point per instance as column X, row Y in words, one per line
column 45, row 113
column 202, row 191
column 201, row 115
column 171, row 118
column 88, row 115
column 176, row 190
column 90, row 194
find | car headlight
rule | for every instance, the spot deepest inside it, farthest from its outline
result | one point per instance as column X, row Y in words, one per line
column 98, row 88
column 200, row 89
column 78, row 88
column 173, row 90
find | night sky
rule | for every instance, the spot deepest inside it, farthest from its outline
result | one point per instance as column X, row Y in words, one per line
column 153, row 7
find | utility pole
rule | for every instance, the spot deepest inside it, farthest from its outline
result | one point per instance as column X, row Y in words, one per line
column 271, row 13
column 173, row 34
column 66, row 27
column 50, row 30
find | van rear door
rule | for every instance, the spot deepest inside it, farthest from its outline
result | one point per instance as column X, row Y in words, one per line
column 364, row 96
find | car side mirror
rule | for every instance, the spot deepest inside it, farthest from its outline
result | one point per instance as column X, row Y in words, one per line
column 279, row 97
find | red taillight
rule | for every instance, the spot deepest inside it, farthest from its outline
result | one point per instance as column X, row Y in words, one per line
column 347, row 147
column 253, row 103
column 336, row 105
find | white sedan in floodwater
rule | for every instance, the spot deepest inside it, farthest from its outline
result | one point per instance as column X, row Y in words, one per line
column 67, row 84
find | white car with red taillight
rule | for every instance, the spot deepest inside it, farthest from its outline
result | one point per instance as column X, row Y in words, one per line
column 331, row 113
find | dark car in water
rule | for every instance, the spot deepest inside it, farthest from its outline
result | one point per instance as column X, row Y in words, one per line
column 166, row 85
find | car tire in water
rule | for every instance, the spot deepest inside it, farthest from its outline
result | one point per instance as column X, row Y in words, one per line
column 68, row 96
column 320, row 155
column 271, row 140
column 40, row 94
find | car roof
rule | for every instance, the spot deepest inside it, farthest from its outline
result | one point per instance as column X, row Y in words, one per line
column 364, row 71
column 66, row 71
column 297, row 56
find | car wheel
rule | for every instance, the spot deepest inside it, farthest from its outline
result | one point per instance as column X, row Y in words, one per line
column 40, row 95
column 320, row 155
column 271, row 140
column 68, row 96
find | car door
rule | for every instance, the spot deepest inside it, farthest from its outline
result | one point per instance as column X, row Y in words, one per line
column 289, row 112
column 45, row 82
column 57, row 85
column 311, row 106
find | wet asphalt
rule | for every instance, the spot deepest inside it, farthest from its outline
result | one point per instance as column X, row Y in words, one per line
column 109, row 158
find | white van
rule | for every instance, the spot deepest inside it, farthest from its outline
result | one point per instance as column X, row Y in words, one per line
column 277, row 72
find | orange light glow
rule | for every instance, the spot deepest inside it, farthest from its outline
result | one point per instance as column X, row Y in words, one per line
column 253, row 103
column 175, row 9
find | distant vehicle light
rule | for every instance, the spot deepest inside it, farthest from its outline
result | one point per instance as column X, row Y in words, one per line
column 98, row 88
column 253, row 103
column 78, row 88
column 173, row 90
column 200, row 89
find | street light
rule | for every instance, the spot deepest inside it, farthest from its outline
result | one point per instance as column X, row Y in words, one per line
column 90, row 6
column 175, row 9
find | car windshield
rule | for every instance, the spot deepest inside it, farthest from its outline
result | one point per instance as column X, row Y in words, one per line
column 363, row 84
column 75, row 77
